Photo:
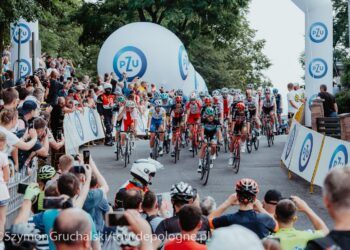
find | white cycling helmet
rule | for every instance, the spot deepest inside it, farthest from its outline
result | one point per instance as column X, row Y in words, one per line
column 224, row 91
column 126, row 238
column 216, row 93
column 130, row 104
column 158, row 103
column 107, row 86
column 182, row 192
column 144, row 170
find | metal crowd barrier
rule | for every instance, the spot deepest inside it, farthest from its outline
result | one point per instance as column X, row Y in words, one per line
column 16, row 199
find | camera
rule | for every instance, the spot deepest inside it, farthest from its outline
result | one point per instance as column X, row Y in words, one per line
column 86, row 156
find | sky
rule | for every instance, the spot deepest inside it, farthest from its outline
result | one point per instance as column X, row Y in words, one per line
column 282, row 25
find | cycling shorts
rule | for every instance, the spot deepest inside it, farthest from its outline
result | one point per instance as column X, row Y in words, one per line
column 211, row 135
column 238, row 128
column 267, row 111
column 177, row 122
column 155, row 124
column 127, row 125
column 192, row 119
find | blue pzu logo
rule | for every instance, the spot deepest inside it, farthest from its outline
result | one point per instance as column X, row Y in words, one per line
column 305, row 153
column 24, row 68
column 93, row 122
column 318, row 68
column 318, row 32
column 78, row 125
column 311, row 99
column 339, row 157
column 130, row 60
column 290, row 142
column 25, row 33
column 183, row 62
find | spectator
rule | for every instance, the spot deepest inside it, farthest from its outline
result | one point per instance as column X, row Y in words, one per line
column 292, row 103
column 9, row 80
column 208, row 205
column 70, row 223
column 10, row 98
column 271, row 198
column 54, row 87
column 259, row 221
column 330, row 107
column 132, row 199
column 151, row 209
column 190, row 220
column 234, row 237
column 4, row 178
column 289, row 237
column 27, row 114
column 336, row 197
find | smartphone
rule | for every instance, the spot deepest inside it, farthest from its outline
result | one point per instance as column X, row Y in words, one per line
column 21, row 189
column 159, row 200
column 116, row 219
column 86, row 156
column 79, row 169
column 53, row 202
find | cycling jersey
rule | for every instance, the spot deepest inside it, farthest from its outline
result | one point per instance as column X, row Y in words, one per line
column 107, row 100
column 268, row 102
column 227, row 102
column 218, row 108
column 210, row 127
column 203, row 114
column 157, row 115
column 128, row 119
column 195, row 112
column 167, row 105
column 251, row 106
column 177, row 114
column 240, row 117
column 292, row 239
column 260, row 223
column 171, row 227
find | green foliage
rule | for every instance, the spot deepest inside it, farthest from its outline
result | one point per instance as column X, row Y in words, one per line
column 343, row 101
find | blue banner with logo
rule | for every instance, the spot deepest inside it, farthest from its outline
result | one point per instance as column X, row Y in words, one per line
column 80, row 128
column 335, row 154
column 305, row 153
column 290, row 144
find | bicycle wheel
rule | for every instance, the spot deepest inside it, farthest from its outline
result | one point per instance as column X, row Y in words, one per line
column 206, row 168
column 249, row 145
column 256, row 143
column 176, row 150
column 117, row 148
column 155, row 149
column 126, row 152
column 237, row 158
column 193, row 147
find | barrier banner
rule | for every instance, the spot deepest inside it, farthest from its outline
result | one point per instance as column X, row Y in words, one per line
column 291, row 141
column 80, row 128
column 305, row 153
column 335, row 154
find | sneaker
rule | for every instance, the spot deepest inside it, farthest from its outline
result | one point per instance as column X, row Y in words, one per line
column 190, row 149
column 230, row 161
column 161, row 151
column 243, row 147
column 172, row 153
column 211, row 165
column 213, row 157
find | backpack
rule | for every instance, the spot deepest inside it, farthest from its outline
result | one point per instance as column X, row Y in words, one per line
column 326, row 243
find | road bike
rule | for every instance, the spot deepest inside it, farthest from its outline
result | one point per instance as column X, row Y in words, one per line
column 129, row 146
column 236, row 152
column 206, row 161
column 177, row 144
column 268, row 130
column 225, row 136
column 155, row 149
column 253, row 138
column 194, row 141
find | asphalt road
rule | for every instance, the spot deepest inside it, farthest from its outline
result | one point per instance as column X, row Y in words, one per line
column 262, row 165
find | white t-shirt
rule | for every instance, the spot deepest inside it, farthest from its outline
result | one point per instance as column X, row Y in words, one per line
column 291, row 97
column 11, row 140
column 4, row 192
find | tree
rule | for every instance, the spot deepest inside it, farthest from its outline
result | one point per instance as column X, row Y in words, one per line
column 11, row 11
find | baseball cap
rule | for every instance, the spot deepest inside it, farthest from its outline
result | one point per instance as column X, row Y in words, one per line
column 28, row 106
column 273, row 196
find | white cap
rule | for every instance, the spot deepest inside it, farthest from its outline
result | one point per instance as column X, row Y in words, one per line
column 234, row 237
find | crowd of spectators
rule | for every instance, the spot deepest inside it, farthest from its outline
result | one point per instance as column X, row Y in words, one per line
column 67, row 208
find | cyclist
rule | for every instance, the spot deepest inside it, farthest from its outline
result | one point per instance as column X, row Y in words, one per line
column 209, row 129
column 128, row 115
column 167, row 104
column 227, row 100
column 207, row 104
column 181, row 194
column 193, row 114
column 279, row 108
column 156, row 123
column 142, row 171
column 180, row 92
column 219, row 115
column 252, row 106
column 238, row 120
column 269, row 107
column 251, row 214
column 118, row 124
column 177, row 118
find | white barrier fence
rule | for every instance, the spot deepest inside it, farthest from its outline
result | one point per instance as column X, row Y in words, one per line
column 80, row 128
column 312, row 155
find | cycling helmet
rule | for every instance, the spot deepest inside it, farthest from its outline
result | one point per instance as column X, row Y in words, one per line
column 178, row 98
column 240, row 106
column 238, row 91
column 130, row 104
column 216, row 93
column 144, row 170
column 121, row 99
column 267, row 90
column 232, row 91
column 182, row 192
column 275, row 90
column 247, row 190
column 240, row 98
column 224, row 91
column 193, row 97
column 216, row 99
column 179, row 92
column 107, row 86
column 158, row 103
column 46, row 172
column 201, row 94
column 207, row 100
column 118, row 92
column 164, row 96
column 209, row 111
column 124, row 237
column 156, row 95
column 250, row 86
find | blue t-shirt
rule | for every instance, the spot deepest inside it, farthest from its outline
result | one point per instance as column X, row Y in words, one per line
column 259, row 223
column 44, row 222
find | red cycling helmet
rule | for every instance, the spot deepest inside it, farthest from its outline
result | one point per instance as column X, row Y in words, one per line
column 207, row 100
column 240, row 106
column 178, row 98
column 247, row 190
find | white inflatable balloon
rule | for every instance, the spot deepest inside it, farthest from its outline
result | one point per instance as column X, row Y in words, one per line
column 150, row 52
column 200, row 84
